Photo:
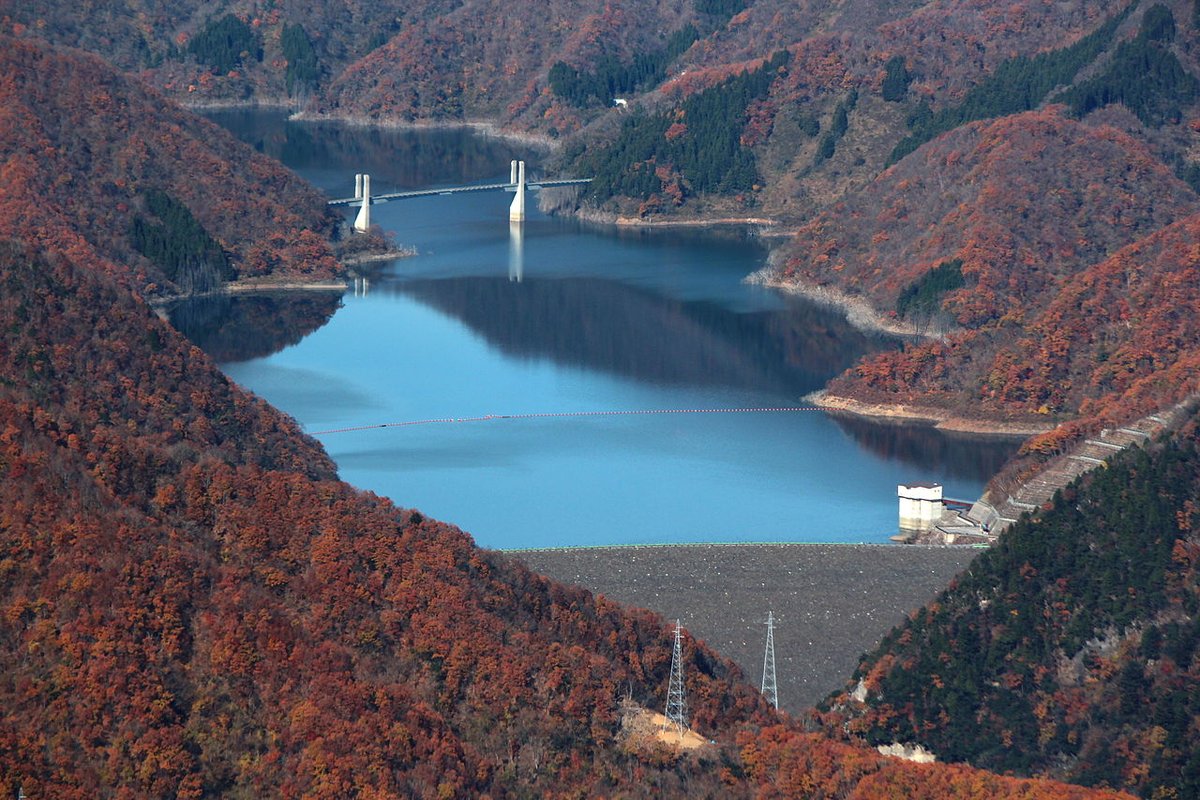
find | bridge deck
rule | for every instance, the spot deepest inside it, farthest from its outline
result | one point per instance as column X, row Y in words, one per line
column 485, row 187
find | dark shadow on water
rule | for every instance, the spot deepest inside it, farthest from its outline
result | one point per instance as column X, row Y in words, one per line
column 243, row 327
column 401, row 159
column 614, row 326
column 639, row 334
column 932, row 451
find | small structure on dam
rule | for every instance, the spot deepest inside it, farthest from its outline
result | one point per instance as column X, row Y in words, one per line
column 921, row 506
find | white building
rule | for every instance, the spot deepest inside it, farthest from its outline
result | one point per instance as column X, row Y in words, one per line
column 920, row 505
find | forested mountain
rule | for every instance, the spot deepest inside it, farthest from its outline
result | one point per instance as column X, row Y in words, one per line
column 193, row 604
column 853, row 85
column 97, row 165
column 1038, row 213
column 195, row 607
column 1069, row 648
column 1115, row 341
column 486, row 60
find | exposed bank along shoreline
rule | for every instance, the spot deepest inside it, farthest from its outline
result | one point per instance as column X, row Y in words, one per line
column 857, row 311
column 864, row 316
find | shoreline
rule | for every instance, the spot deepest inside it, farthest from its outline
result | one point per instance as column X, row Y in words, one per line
column 597, row 217
column 903, row 414
column 482, row 127
column 375, row 258
column 491, row 130
column 244, row 288
column 636, row 222
column 298, row 114
column 250, row 288
column 254, row 285
column 592, row 548
column 858, row 311
column 225, row 105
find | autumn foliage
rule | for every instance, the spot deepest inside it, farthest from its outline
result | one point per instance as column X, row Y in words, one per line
column 192, row 603
column 783, row 763
column 1074, row 244
column 1069, row 649
column 84, row 145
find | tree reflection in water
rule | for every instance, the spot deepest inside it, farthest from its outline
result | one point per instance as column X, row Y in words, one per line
column 242, row 327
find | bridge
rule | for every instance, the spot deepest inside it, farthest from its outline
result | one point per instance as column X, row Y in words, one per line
column 517, row 184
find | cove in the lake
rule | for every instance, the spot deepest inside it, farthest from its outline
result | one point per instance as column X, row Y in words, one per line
column 523, row 325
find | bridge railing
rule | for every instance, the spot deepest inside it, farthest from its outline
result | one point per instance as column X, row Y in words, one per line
column 517, row 184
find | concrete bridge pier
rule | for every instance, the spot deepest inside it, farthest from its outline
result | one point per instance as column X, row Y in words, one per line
column 516, row 211
column 362, row 190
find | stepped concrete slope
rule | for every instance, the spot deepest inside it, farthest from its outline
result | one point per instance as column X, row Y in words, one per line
column 986, row 520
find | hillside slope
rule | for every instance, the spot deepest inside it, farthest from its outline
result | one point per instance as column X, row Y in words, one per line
column 100, row 167
column 194, row 606
column 1048, row 227
column 1116, row 342
column 1067, row 649
column 206, row 51
column 479, row 61
column 192, row 600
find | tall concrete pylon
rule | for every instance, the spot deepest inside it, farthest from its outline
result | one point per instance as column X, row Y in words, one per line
column 516, row 211
column 357, row 185
column 363, row 221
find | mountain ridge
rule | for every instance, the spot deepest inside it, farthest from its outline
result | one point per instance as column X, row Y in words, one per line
column 194, row 605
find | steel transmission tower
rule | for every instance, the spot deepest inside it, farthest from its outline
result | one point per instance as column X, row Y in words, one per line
column 770, row 689
column 676, row 701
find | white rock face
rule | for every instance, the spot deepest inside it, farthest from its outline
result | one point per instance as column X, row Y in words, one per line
column 909, row 752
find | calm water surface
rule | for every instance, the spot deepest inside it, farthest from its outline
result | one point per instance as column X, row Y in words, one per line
column 553, row 317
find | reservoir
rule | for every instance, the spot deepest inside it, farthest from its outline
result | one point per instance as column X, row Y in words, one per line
column 533, row 325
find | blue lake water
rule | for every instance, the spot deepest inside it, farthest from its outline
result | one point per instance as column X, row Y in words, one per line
column 557, row 317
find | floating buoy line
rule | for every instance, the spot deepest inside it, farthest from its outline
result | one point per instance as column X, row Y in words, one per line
column 564, row 414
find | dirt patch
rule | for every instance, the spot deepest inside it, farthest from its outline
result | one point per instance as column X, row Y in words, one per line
column 832, row 602
column 644, row 729
column 943, row 420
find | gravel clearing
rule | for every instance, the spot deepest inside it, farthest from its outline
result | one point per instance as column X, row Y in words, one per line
column 832, row 602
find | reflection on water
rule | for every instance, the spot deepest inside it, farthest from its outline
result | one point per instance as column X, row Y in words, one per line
column 516, row 251
column 621, row 330
column 977, row 458
column 243, row 327
column 530, row 322
column 640, row 334
column 329, row 154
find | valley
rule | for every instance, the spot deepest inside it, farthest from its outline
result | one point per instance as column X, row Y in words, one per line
column 195, row 603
